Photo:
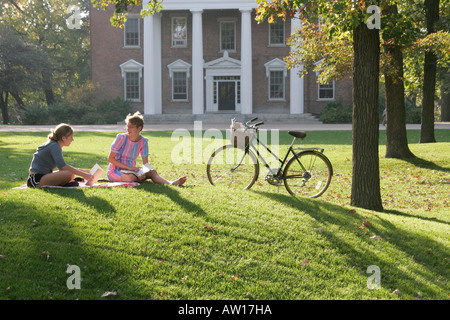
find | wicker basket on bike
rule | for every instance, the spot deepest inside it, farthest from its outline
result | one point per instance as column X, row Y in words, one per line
column 240, row 134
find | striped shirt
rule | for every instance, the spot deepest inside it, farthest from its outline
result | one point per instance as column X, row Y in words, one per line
column 127, row 153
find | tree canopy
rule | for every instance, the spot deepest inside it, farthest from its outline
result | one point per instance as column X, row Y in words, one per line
column 121, row 6
column 43, row 25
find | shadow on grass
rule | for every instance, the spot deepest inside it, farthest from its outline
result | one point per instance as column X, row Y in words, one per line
column 406, row 215
column 427, row 256
column 99, row 204
column 425, row 164
column 38, row 246
column 173, row 194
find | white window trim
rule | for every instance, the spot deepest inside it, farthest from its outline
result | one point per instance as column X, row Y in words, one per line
column 318, row 84
column 187, row 88
column 180, row 66
column 325, row 99
column 226, row 20
column 138, row 99
column 132, row 16
column 131, row 66
column 284, row 35
column 276, row 65
column 172, row 45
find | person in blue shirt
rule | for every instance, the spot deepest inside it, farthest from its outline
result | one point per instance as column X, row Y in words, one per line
column 49, row 156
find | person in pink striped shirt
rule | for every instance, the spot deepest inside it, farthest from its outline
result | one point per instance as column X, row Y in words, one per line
column 126, row 148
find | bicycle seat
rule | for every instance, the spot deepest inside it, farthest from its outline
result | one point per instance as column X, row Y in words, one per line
column 297, row 134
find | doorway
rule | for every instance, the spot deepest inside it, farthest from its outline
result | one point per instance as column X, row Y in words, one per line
column 227, row 95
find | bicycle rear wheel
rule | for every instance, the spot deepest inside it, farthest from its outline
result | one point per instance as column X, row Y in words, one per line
column 232, row 167
column 308, row 174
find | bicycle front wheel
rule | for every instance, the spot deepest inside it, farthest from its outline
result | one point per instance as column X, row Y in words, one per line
column 308, row 174
column 232, row 167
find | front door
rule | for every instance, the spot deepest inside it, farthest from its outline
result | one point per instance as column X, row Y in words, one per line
column 227, row 96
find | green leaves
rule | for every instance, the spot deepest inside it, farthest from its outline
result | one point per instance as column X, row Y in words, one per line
column 119, row 17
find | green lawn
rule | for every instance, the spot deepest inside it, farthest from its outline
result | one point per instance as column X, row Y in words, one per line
column 204, row 242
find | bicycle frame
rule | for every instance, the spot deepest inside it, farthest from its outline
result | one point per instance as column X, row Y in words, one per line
column 282, row 162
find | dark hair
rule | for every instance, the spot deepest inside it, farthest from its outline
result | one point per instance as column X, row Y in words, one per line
column 61, row 130
column 136, row 119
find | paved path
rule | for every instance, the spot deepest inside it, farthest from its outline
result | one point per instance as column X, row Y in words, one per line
column 204, row 126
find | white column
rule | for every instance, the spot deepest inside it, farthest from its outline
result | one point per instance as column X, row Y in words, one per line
column 297, row 85
column 152, row 65
column 158, row 61
column 197, row 62
column 149, row 66
column 246, row 62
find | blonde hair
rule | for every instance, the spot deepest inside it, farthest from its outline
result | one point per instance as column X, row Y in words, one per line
column 136, row 119
column 61, row 130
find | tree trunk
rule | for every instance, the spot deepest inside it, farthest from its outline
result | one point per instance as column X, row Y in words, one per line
column 366, row 172
column 429, row 77
column 396, row 137
column 445, row 104
column 47, row 83
column 18, row 99
column 4, row 106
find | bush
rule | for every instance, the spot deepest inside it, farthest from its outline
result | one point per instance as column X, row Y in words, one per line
column 35, row 114
column 334, row 112
column 114, row 110
column 413, row 113
column 105, row 112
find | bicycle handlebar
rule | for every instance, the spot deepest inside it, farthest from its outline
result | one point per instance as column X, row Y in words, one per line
column 250, row 121
column 253, row 125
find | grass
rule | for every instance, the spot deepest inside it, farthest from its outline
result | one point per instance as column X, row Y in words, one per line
column 203, row 242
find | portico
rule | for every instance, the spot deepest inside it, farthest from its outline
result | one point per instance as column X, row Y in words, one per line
column 219, row 85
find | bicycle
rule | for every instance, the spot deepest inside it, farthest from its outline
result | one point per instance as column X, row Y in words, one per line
column 307, row 173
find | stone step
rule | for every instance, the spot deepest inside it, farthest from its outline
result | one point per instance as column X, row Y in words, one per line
column 226, row 118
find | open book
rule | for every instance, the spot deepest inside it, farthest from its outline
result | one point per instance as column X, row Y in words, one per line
column 145, row 168
column 96, row 171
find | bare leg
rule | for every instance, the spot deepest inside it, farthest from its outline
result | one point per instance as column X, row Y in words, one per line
column 156, row 178
column 56, row 178
column 128, row 177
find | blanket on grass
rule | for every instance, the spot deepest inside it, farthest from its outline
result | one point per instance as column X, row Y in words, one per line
column 82, row 184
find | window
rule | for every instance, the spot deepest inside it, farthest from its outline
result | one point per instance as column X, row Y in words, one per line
column 131, row 32
column 326, row 91
column 276, row 33
column 179, row 32
column 276, row 73
column 179, row 73
column 132, row 73
column 179, row 85
column 276, row 85
column 227, row 35
column 132, row 86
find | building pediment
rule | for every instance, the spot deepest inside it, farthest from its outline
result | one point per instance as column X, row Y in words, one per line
column 275, row 64
column 179, row 65
column 131, row 66
column 224, row 62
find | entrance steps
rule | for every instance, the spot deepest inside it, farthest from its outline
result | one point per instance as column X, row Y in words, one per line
column 225, row 118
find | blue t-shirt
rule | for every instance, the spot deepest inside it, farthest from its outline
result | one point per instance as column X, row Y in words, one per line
column 47, row 157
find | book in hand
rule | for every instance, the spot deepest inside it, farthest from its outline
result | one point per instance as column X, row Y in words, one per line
column 96, row 171
column 145, row 168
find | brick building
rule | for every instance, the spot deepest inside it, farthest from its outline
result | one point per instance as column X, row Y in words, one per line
column 204, row 57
